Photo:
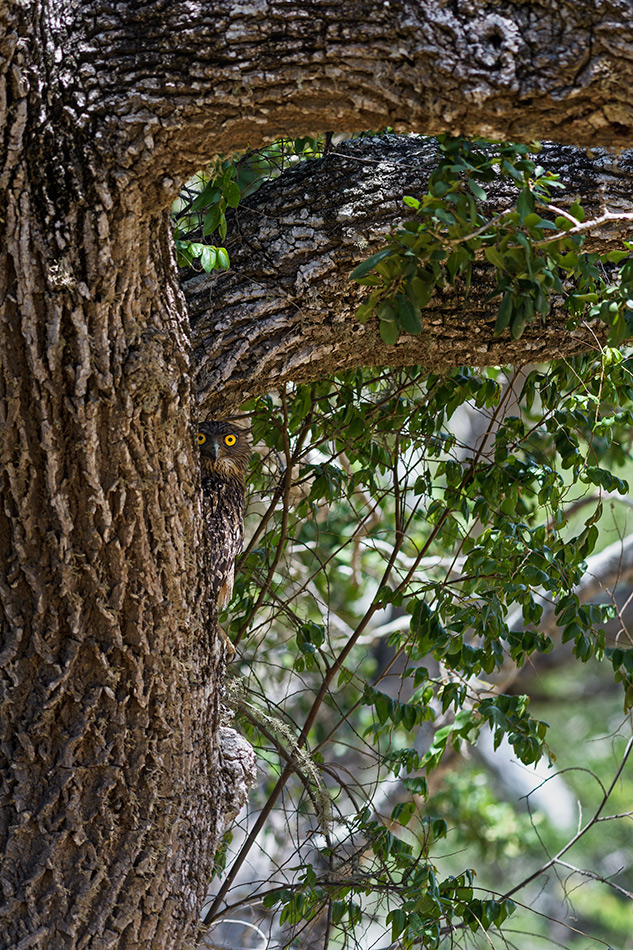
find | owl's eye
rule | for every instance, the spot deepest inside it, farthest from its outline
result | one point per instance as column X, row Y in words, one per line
column 230, row 440
column 201, row 438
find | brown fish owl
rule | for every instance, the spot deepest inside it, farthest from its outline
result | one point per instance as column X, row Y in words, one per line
column 224, row 455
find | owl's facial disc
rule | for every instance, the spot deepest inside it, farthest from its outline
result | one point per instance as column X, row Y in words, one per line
column 209, row 445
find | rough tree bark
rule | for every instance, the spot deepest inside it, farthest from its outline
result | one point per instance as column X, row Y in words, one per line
column 109, row 704
column 104, row 769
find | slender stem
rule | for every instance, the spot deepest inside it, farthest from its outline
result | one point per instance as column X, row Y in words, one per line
column 246, row 847
column 425, row 548
column 582, row 227
column 596, row 877
column 302, row 740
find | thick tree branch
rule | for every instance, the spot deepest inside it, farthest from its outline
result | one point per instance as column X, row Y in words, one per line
column 188, row 79
column 286, row 309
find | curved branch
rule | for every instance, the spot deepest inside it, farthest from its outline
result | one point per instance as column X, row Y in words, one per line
column 286, row 309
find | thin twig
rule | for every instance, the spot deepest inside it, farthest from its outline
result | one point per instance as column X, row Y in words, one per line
column 580, row 833
column 596, row 877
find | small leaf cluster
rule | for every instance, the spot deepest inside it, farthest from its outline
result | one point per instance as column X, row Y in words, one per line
column 385, row 525
column 622, row 661
column 424, row 903
column 202, row 207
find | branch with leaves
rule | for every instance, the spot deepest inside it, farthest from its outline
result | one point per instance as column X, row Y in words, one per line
column 286, row 310
column 451, row 231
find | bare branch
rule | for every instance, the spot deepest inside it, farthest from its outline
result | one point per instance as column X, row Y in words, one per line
column 581, row 832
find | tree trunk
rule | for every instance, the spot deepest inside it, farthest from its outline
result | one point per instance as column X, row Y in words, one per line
column 110, row 669
column 110, row 672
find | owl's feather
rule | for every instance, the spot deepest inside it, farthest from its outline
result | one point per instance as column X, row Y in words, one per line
column 224, row 511
column 223, row 484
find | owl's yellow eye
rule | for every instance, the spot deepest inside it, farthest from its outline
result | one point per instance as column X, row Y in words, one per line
column 230, row 440
column 201, row 438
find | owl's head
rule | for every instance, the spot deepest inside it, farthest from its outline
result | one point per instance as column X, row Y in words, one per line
column 224, row 448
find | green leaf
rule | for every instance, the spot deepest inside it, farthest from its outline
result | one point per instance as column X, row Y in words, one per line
column 366, row 309
column 477, row 190
column 403, row 812
column 518, row 326
column 339, row 909
column 388, row 332
column 398, row 920
column 445, row 217
column 208, row 196
column 577, row 211
column 364, row 268
column 504, row 314
column 209, row 258
column 616, row 256
column 525, row 203
column 232, row 193
column 495, row 258
column 408, row 315
column 386, row 311
column 211, row 220
column 420, row 291
column 532, row 220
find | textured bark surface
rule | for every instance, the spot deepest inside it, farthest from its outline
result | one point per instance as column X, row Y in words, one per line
column 109, row 683
column 286, row 309
column 109, row 689
column 253, row 69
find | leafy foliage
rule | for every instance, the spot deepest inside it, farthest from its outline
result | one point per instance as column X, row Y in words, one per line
column 399, row 569
column 384, row 527
column 201, row 208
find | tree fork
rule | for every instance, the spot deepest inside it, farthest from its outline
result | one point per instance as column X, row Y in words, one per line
column 110, row 684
